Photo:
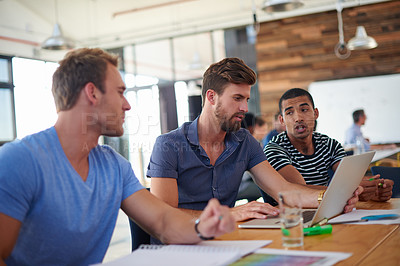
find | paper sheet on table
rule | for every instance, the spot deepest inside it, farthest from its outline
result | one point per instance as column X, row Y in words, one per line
column 268, row 256
column 203, row 254
column 357, row 214
column 245, row 246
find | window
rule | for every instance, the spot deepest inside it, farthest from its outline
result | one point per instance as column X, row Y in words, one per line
column 34, row 104
column 7, row 114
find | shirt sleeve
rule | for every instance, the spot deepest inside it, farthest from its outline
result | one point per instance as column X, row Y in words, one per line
column 277, row 156
column 338, row 152
column 164, row 159
column 17, row 181
column 255, row 151
column 130, row 182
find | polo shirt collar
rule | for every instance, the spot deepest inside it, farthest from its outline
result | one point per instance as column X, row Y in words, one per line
column 230, row 138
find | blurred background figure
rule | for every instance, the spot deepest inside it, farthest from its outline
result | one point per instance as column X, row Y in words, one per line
column 248, row 189
column 260, row 129
column 354, row 135
column 278, row 128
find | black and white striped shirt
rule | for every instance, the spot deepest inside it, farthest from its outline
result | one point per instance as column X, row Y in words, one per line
column 314, row 168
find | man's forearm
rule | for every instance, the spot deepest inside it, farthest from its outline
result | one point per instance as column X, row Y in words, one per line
column 193, row 213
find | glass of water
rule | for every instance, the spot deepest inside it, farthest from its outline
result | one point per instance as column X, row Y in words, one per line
column 291, row 218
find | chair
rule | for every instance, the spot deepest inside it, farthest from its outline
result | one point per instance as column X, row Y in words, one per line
column 268, row 199
column 138, row 235
column 392, row 173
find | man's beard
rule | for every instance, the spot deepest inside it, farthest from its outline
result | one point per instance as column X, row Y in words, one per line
column 227, row 125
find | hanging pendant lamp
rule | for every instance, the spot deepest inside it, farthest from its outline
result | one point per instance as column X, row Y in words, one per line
column 57, row 41
column 281, row 5
column 361, row 41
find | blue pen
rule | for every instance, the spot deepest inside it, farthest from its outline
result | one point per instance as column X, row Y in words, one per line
column 380, row 217
column 371, row 218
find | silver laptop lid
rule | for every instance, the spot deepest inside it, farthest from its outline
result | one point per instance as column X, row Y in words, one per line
column 347, row 177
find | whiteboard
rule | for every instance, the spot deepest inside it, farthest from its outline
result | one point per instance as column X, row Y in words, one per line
column 379, row 96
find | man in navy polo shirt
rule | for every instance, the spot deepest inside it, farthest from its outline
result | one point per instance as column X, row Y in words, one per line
column 206, row 158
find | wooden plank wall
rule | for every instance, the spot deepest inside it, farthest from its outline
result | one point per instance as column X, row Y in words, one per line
column 294, row 52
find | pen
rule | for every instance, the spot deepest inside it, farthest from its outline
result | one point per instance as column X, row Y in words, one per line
column 370, row 218
column 380, row 184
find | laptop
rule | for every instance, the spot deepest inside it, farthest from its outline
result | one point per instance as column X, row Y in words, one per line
column 344, row 182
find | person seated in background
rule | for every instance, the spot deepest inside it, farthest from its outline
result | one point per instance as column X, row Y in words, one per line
column 248, row 189
column 256, row 125
column 60, row 192
column 354, row 135
column 206, row 158
column 303, row 156
column 260, row 129
column 278, row 128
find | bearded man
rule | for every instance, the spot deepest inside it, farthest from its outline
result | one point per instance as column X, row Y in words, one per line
column 206, row 158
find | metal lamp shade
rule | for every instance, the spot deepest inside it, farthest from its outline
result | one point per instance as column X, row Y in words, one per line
column 361, row 41
column 281, row 5
column 57, row 41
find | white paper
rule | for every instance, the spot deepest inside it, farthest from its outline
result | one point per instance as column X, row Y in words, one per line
column 358, row 214
column 213, row 253
column 245, row 246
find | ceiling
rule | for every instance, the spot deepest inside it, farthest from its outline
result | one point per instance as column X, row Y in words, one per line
column 25, row 24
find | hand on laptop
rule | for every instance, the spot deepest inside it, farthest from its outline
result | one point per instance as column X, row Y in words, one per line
column 253, row 209
column 351, row 203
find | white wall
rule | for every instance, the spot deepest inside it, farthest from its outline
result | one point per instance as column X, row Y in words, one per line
column 379, row 96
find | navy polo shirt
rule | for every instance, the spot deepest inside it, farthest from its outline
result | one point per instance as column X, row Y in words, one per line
column 177, row 154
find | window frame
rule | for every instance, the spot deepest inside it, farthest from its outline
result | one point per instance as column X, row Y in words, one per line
column 9, row 86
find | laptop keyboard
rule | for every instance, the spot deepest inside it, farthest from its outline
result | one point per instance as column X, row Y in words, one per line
column 307, row 216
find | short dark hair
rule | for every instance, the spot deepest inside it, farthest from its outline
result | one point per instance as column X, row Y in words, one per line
column 294, row 93
column 228, row 70
column 78, row 68
column 357, row 114
column 259, row 121
column 248, row 120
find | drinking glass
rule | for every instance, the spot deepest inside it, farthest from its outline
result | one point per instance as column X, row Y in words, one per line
column 291, row 218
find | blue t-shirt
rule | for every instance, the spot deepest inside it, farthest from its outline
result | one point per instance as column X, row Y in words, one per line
column 179, row 155
column 65, row 221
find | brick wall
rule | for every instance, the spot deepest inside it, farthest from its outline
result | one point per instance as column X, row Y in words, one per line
column 294, row 52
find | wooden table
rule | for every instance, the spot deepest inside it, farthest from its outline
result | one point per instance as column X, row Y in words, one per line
column 370, row 244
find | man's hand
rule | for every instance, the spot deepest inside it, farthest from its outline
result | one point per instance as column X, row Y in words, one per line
column 253, row 209
column 370, row 187
column 351, row 203
column 383, row 190
column 216, row 220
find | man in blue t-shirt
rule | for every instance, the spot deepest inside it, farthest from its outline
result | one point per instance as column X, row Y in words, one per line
column 206, row 158
column 60, row 191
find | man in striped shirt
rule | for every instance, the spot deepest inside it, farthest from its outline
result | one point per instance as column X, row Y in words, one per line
column 306, row 157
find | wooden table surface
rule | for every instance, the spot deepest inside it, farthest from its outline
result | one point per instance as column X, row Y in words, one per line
column 370, row 244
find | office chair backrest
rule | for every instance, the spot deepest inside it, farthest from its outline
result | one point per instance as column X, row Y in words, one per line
column 392, row 173
column 138, row 235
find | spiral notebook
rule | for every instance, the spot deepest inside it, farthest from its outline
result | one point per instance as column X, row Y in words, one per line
column 203, row 254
